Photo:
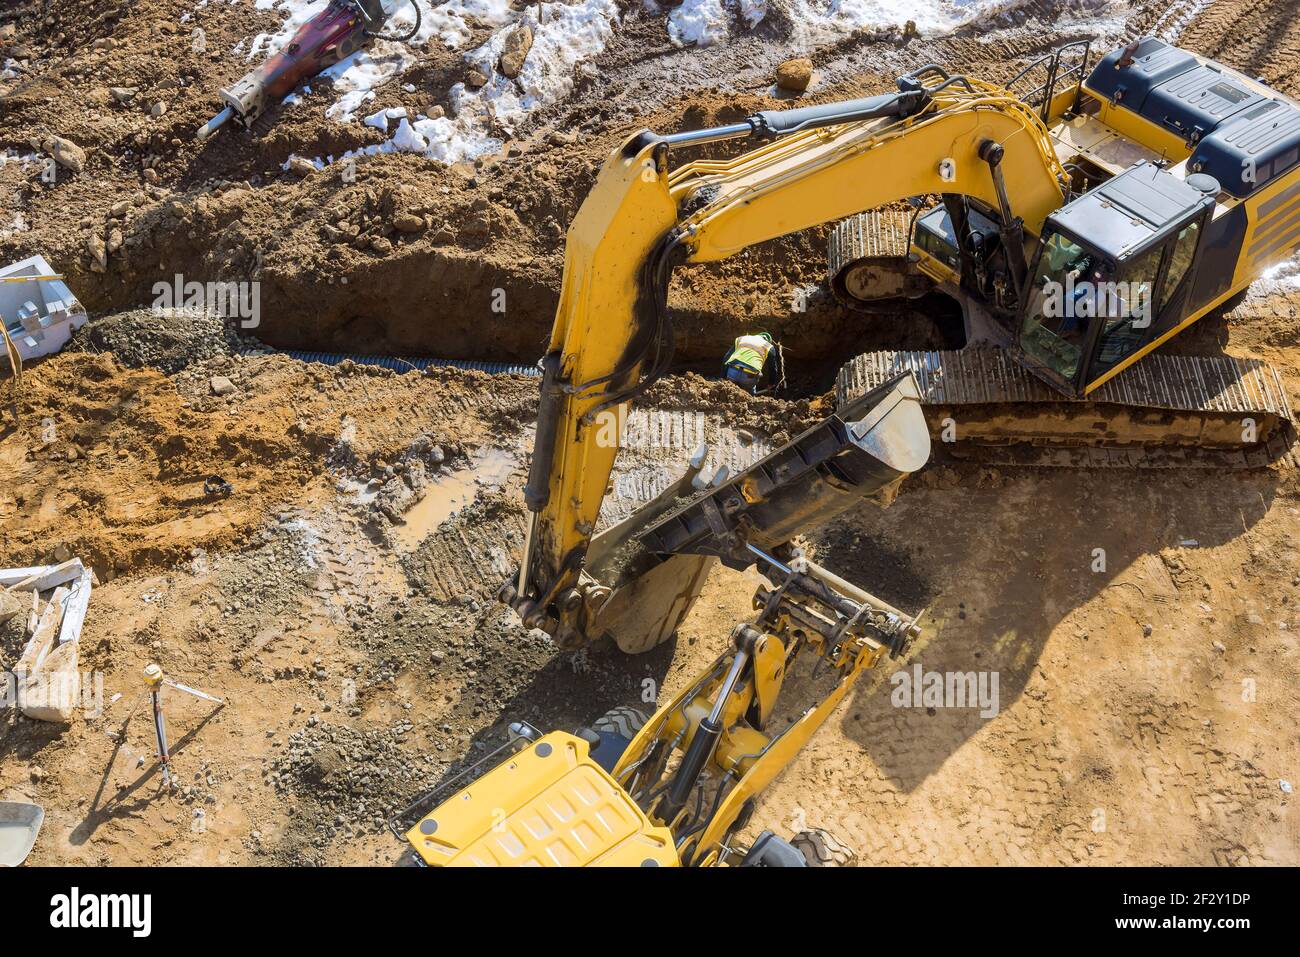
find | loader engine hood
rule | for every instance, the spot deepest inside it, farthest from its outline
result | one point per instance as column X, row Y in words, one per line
column 550, row 805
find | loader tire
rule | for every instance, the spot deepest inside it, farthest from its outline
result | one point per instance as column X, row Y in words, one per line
column 410, row 858
column 623, row 720
column 612, row 732
column 822, row 849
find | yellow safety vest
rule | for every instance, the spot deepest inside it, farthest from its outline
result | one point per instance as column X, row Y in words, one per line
column 750, row 352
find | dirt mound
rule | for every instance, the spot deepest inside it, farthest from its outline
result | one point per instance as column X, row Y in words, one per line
column 778, row 418
column 359, row 776
column 168, row 340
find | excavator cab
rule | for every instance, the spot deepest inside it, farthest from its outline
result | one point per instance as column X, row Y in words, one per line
column 1093, row 305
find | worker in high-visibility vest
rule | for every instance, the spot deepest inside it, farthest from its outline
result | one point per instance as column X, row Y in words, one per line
column 750, row 357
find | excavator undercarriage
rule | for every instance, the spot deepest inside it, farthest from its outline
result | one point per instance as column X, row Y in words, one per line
column 1169, row 411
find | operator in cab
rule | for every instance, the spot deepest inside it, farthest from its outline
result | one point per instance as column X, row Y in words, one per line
column 752, row 361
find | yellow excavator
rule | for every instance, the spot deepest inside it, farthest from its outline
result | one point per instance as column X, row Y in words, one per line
column 1080, row 223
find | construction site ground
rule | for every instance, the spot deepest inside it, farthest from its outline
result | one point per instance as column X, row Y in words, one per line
column 340, row 597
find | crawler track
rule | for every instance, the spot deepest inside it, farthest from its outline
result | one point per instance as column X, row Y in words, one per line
column 1164, row 412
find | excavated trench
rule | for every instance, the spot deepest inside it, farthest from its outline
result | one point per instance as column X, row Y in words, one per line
column 453, row 304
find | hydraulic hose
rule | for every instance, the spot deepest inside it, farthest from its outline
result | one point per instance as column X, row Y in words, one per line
column 379, row 34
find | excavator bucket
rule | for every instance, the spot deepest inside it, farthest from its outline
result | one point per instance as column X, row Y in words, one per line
column 657, row 560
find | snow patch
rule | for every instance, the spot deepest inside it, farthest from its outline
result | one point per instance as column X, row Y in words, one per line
column 380, row 120
column 1283, row 277
column 357, row 78
column 704, row 23
column 565, row 38
column 699, row 22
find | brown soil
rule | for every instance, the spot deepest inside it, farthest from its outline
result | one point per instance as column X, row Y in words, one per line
column 362, row 661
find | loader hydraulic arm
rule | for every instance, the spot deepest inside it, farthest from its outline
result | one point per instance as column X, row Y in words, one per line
column 613, row 335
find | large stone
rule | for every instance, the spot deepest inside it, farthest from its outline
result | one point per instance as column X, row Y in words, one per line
column 66, row 153
column 475, row 78
column 515, row 50
column 408, row 223
column 11, row 606
column 98, row 253
column 220, row 385
column 794, row 75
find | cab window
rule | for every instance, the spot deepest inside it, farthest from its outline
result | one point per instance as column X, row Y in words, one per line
column 1180, row 260
column 1127, row 304
column 1054, row 329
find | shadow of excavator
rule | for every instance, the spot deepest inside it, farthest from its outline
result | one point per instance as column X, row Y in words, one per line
column 996, row 592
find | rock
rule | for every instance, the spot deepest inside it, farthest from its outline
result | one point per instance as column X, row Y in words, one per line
column 475, row 78
column 98, row 254
column 910, row 30
column 104, row 43
column 123, row 94
column 436, row 112
column 11, row 606
column 220, row 385
column 381, row 245
column 66, row 153
column 158, row 109
column 114, row 242
column 301, row 167
column 794, row 75
column 408, row 223
column 1146, row 631
column 395, row 499
column 515, row 50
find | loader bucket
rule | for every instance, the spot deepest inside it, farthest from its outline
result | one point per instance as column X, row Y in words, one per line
column 657, row 560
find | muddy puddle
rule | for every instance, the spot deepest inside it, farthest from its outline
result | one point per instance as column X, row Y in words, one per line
column 446, row 495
